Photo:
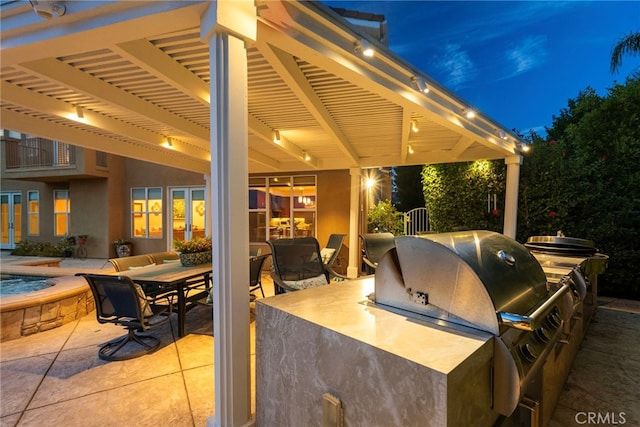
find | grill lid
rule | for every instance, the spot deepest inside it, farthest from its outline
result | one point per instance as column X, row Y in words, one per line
column 469, row 275
column 561, row 245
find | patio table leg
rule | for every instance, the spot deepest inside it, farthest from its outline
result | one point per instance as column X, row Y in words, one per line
column 182, row 311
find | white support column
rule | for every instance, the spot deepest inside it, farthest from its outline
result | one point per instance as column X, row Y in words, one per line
column 511, row 196
column 354, row 216
column 226, row 26
column 230, row 230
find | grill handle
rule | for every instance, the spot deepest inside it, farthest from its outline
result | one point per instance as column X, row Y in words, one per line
column 535, row 319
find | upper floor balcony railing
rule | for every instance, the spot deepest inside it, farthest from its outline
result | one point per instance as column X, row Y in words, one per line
column 38, row 152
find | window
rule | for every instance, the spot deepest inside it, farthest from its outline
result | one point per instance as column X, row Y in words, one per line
column 33, row 213
column 101, row 159
column 282, row 207
column 146, row 212
column 61, row 212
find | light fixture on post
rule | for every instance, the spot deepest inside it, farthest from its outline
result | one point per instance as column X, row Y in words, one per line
column 364, row 47
column 79, row 112
column 276, row 136
column 523, row 147
column 420, row 84
column 47, row 9
column 414, row 126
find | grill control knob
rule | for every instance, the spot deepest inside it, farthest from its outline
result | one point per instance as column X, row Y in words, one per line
column 542, row 335
column 528, row 353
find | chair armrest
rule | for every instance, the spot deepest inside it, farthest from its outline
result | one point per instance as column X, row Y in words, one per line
column 279, row 282
column 159, row 309
column 369, row 263
column 333, row 273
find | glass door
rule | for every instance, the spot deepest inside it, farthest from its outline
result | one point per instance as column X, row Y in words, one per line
column 10, row 220
column 188, row 212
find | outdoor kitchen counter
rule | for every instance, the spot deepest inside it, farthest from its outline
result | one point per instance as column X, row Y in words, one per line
column 385, row 367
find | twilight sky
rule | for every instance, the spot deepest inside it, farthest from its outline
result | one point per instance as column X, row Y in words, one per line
column 519, row 62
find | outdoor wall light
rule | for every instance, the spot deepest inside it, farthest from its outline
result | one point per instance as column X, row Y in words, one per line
column 306, row 156
column 414, row 126
column 525, row 148
column 79, row 111
column 47, row 9
column 167, row 142
column 503, row 134
column 469, row 113
column 363, row 46
column 410, row 149
column 276, row 136
column 420, row 84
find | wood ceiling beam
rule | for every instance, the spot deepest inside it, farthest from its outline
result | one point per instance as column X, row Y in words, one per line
column 148, row 57
column 50, row 106
column 406, row 131
column 44, row 128
column 265, row 133
column 287, row 68
column 302, row 39
column 264, row 160
column 70, row 77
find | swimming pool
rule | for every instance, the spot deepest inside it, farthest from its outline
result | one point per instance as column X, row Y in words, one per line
column 16, row 285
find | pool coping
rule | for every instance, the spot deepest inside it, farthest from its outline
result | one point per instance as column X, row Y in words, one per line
column 67, row 300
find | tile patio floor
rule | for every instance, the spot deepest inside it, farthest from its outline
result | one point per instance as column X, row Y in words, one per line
column 55, row 378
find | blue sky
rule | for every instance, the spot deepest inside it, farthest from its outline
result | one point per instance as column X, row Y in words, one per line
column 519, row 62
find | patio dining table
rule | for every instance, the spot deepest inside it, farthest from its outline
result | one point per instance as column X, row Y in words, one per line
column 174, row 278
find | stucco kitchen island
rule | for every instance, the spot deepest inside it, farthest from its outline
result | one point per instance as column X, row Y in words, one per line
column 386, row 368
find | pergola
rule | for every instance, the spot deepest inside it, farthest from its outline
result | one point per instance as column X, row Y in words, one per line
column 207, row 86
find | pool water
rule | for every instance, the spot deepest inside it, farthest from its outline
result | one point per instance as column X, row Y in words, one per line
column 15, row 285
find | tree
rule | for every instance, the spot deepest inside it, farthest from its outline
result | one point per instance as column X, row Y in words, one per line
column 628, row 45
column 407, row 183
column 465, row 195
column 583, row 179
column 384, row 217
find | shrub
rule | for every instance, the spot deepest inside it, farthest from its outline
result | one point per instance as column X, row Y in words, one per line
column 384, row 217
column 29, row 248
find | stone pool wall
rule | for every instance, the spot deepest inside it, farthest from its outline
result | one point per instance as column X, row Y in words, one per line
column 20, row 315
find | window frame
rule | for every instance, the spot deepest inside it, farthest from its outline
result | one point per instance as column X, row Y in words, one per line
column 66, row 213
column 295, row 212
column 31, row 213
column 144, row 210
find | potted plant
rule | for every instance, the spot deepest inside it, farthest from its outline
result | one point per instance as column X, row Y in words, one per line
column 82, row 239
column 66, row 245
column 123, row 247
column 195, row 251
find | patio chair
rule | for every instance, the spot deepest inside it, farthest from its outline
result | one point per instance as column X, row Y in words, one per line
column 255, row 273
column 255, row 251
column 374, row 246
column 131, row 262
column 297, row 265
column 330, row 252
column 120, row 301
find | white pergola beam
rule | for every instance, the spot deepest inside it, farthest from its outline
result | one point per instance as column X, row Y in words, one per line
column 70, row 77
column 287, row 68
column 29, row 124
column 51, row 106
column 147, row 56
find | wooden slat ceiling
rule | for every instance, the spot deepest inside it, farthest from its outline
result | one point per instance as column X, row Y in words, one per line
column 324, row 99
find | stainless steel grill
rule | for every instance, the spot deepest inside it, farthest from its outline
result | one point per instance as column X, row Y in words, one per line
column 490, row 282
